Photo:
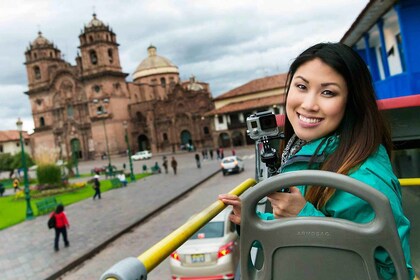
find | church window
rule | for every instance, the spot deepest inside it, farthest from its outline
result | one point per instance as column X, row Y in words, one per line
column 110, row 55
column 51, row 55
column 90, row 39
column 35, row 55
column 70, row 111
column 37, row 72
column 96, row 88
column 93, row 57
column 206, row 130
column 41, row 121
column 100, row 110
column 163, row 82
column 117, row 86
column 165, row 137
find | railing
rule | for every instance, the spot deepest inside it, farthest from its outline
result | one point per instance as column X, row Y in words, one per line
column 137, row 268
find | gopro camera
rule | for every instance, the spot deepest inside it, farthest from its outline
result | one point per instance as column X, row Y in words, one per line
column 262, row 124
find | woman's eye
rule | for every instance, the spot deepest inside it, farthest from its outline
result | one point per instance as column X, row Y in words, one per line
column 328, row 93
column 300, row 86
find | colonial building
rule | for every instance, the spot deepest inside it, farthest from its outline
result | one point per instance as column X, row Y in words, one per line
column 387, row 35
column 10, row 142
column 233, row 107
column 84, row 107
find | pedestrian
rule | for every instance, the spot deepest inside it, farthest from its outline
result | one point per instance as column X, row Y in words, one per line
column 197, row 160
column 174, row 164
column 96, row 187
column 122, row 179
column 61, row 225
column 233, row 152
column 211, row 154
column 165, row 164
column 2, row 189
column 222, row 155
column 333, row 123
column 16, row 185
column 217, row 153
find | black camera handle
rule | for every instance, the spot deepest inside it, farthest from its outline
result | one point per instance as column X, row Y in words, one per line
column 269, row 155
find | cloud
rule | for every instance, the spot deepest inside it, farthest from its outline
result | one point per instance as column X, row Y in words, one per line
column 223, row 43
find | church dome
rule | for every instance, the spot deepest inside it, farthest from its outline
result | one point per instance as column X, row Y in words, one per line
column 95, row 22
column 154, row 64
column 40, row 40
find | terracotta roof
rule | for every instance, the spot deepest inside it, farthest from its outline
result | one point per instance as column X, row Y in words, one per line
column 12, row 135
column 248, row 105
column 258, row 85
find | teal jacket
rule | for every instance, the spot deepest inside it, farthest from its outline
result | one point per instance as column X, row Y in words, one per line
column 377, row 172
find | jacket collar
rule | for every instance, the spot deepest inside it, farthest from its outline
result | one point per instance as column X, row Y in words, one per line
column 327, row 145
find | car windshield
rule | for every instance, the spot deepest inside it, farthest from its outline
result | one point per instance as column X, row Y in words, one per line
column 229, row 160
column 210, row 230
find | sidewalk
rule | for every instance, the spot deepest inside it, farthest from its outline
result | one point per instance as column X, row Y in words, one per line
column 27, row 252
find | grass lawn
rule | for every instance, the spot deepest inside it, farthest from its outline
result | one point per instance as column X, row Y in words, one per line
column 13, row 211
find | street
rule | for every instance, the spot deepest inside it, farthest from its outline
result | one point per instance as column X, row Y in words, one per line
column 150, row 232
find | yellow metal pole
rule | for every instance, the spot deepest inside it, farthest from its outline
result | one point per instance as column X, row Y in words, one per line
column 406, row 182
column 156, row 254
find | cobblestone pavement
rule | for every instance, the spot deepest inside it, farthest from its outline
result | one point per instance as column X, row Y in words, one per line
column 26, row 250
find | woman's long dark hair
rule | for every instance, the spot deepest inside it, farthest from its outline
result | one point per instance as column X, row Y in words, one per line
column 362, row 129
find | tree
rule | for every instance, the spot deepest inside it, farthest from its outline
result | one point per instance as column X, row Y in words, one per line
column 10, row 162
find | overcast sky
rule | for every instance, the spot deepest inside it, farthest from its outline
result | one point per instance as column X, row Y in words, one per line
column 225, row 43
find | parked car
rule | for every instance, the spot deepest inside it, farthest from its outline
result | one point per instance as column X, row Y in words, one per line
column 232, row 164
column 211, row 253
column 142, row 155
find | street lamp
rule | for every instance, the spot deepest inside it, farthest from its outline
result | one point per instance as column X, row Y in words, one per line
column 107, row 150
column 75, row 152
column 133, row 178
column 29, row 212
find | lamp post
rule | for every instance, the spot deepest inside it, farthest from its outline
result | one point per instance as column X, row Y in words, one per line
column 132, row 177
column 74, row 152
column 29, row 212
column 107, row 150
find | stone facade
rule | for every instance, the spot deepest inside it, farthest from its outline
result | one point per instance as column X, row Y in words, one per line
column 84, row 107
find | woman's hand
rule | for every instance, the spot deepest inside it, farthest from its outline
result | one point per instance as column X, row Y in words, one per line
column 287, row 204
column 235, row 201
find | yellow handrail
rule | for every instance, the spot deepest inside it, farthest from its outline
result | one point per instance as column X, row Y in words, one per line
column 406, row 182
column 156, row 254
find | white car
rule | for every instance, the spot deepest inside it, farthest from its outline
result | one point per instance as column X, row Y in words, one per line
column 232, row 164
column 211, row 253
column 141, row 155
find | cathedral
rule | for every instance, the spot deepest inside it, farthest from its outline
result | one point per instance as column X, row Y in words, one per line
column 90, row 110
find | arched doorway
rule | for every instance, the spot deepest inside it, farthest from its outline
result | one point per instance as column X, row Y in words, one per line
column 186, row 140
column 224, row 140
column 76, row 148
column 143, row 143
column 237, row 138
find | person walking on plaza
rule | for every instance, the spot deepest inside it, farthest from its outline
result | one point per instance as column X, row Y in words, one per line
column 174, row 164
column 197, row 160
column 165, row 164
column 96, row 187
column 16, row 185
column 122, row 179
column 211, row 154
column 61, row 225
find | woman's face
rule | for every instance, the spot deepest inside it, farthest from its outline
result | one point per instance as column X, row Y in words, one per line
column 316, row 101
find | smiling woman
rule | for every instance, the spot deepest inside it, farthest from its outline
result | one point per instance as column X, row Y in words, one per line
column 333, row 123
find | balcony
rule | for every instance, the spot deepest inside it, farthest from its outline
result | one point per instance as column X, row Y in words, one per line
column 236, row 125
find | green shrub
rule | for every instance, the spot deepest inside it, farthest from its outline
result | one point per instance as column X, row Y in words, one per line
column 49, row 174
